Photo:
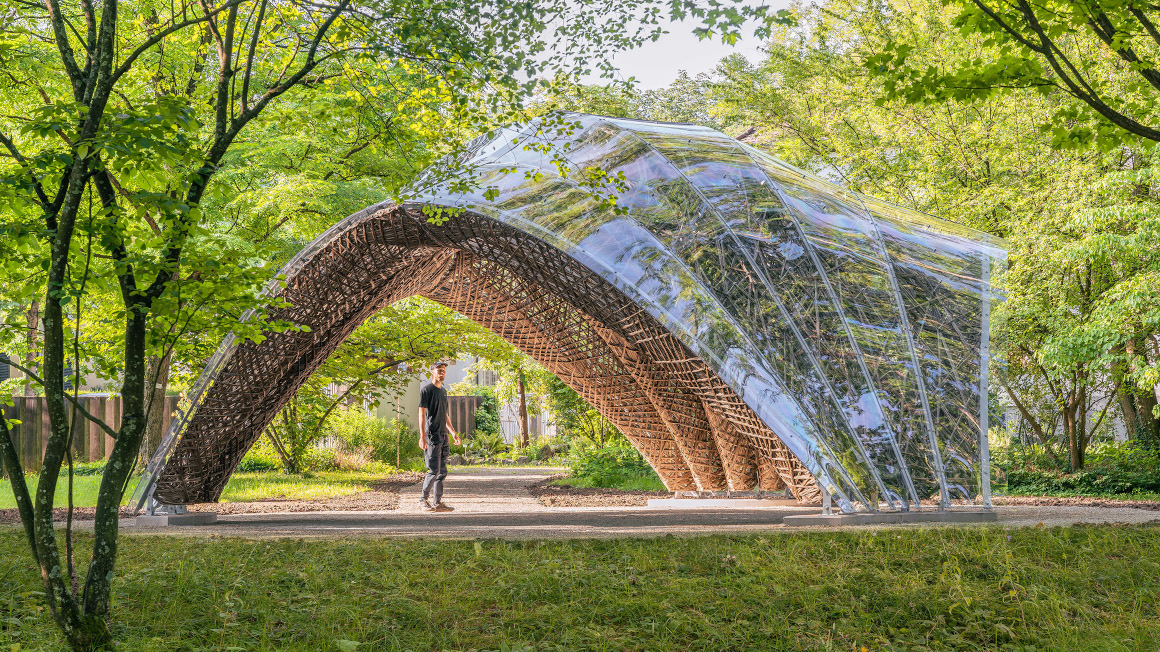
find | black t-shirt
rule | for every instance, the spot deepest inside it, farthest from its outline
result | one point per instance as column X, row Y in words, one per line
column 435, row 400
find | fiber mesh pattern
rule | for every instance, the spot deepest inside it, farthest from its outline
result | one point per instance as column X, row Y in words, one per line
column 745, row 324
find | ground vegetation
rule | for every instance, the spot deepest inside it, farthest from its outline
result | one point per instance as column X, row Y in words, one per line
column 916, row 589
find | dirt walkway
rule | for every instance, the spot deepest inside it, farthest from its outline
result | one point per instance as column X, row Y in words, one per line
column 494, row 503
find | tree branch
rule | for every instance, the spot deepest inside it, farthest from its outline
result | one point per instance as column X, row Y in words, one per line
column 306, row 68
column 1031, row 421
column 11, row 147
column 19, row 486
column 250, row 55
column 1103, row 28
column 1085, row 93
column 1014, row 33
column 1147, row 23
column 125, row 275
column 222, row 140
column 67, row 57
column 127, row 64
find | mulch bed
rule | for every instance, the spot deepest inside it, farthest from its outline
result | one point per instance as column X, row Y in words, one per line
column 383, row 495
column 551, row 495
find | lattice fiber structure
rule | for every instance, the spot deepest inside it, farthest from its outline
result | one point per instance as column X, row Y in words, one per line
column 745, row 324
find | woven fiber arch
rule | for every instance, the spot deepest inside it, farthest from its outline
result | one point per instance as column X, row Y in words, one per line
column 745, row 324
column 693, row 430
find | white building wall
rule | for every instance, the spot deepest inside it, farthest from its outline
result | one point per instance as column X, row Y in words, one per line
column 406, row 405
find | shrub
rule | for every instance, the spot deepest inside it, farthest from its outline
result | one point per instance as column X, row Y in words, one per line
column 1111, row 469
column 260, row 458
column 317, row 458
column 379, row 439
column 1093, row 482
column 486, row 444
column 1128, row 456
column 612, row 466
column 487, row 414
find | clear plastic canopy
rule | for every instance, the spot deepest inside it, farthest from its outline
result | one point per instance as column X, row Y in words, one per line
column 862, row 333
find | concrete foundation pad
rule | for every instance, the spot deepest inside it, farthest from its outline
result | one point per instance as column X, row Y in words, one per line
column 717, row 503
column 880, row 518
column 166, row 520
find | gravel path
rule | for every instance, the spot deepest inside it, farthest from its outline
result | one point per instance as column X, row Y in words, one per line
column 496, row 503
column 518, row 504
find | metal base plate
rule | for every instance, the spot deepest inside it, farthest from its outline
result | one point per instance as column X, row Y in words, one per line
column 879, row 518
column 166, row 520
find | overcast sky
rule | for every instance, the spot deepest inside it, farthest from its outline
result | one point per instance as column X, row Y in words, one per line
column 656, row 64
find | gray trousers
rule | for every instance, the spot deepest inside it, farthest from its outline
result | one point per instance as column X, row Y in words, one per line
column 438, row 450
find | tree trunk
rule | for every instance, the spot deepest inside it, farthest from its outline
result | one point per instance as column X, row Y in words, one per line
column 1130, row 412
column 1081, row 425
column 1149, row 419
column 33, row 316
column 289, row 461
column 1070, row 424
column 157, row 380
column 1036, row 427
column 97, row 592
column 524, row 440
column 78, row 627
column 1146, row 425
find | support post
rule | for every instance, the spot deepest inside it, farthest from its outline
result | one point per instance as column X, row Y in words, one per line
column 984, row 392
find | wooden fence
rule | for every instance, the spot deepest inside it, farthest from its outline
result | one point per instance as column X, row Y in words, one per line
column 90, row 443
column 462, row 412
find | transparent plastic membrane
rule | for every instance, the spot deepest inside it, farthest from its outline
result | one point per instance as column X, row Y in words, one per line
column 852, row 327
column 945, row 284
column 729, row 188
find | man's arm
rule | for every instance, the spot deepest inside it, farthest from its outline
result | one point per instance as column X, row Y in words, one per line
column 423, row 428
column 451, row 429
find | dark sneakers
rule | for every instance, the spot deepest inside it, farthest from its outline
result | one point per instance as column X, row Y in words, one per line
column 443, row 507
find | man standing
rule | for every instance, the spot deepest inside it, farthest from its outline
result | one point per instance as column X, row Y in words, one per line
column 435, row 425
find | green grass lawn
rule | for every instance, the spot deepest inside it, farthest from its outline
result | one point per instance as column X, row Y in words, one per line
column 1083, row 588
column 85, row 489
column 241, row 487
column 268, row 485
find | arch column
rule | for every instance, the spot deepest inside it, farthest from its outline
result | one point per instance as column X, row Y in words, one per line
column 681, row 412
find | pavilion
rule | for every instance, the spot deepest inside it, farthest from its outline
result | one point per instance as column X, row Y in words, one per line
column 747, row 325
